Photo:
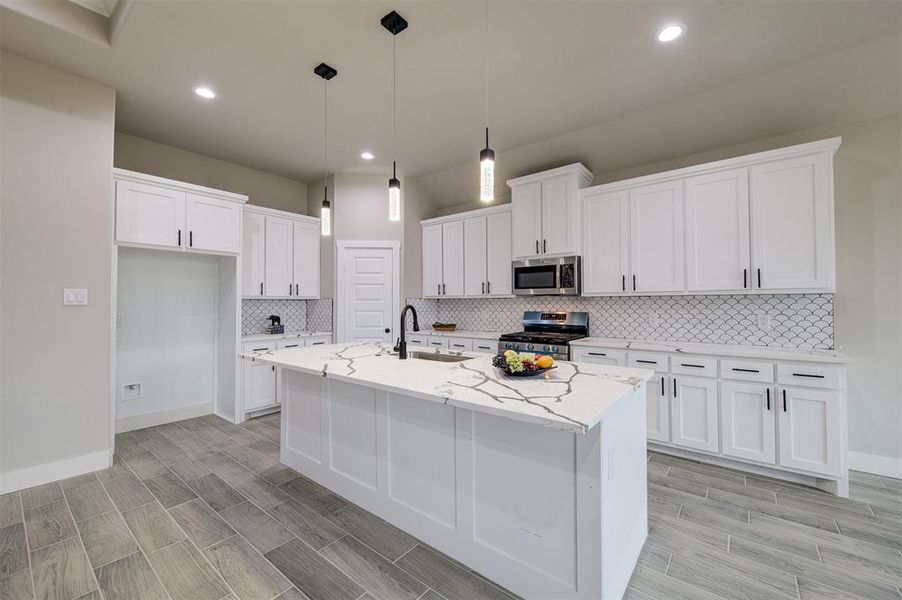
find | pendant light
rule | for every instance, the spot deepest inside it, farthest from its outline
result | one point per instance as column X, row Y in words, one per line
column 487, row 155
column 326, row 72
column 395, row 24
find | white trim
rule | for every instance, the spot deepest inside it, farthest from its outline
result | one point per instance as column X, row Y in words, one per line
column 886, row 466
column 575, row 169
column 479, row 212
column 54, row 471
column 126, row 175
column 827, row 145
column 284, row 214
column 338, row 306
column 161, row 417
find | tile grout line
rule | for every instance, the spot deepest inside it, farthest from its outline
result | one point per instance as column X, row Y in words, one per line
column 82, row 544
column 27, row 543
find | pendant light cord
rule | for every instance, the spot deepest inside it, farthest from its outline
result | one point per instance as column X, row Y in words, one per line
column 394, row 102
column 486, row 62
column 326, row 133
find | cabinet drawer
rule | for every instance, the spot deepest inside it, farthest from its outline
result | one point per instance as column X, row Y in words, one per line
column 485, row 346
column 747, row 370
column 809, row 375
column 599, row 356
column 701, row 366
column 460, row 344
column 435, row 341
column 256, row 346
column 649, row 360
column 416, row 339
column 321, row 340
column 292, row 343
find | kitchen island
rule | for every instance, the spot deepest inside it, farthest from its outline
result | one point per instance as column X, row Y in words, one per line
column 537, row 483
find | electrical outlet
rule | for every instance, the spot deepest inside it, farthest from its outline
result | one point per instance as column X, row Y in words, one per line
column 132, row 391
column 652, row 318
column 763, row 321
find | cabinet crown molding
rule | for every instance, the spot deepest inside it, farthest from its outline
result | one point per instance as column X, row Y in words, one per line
column 479, row 212
column 272, row 212
column 826, row 145
column 134, row 176
column 584, row 175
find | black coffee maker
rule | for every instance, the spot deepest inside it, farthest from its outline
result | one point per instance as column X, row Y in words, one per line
column 275, row 324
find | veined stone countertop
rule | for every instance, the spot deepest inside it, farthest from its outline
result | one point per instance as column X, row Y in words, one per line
column 464, row 333
column 570, row 398
column 289, row 335
column 762, row 352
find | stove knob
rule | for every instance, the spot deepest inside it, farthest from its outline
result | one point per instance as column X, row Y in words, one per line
column 529, row 346
column 553, row 349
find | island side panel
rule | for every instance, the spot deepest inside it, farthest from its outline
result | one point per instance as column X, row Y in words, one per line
column 519, row 503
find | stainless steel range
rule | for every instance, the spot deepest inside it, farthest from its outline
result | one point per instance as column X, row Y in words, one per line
column 547, row 332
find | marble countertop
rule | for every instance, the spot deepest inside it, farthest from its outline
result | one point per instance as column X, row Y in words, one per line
column 570, row 398
column 762, row 352
column 288, row 335
column 464, row 333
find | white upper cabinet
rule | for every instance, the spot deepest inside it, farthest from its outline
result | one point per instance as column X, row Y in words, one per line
column 306, row 259
column 213, row 224
column 546, row 211
column 253, row 257
column 792, row 223
column 152, row 211
column 656, row 238
column 526, row 201
column 498, row 269
column 432, row 261
column 717, row 231
column 475, row 254
column 279, row 257
column 149, row 214
column 751, row 224
column 453, row 258
column 605, row 243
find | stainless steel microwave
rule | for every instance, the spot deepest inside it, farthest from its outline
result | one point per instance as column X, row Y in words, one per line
column 547, row 276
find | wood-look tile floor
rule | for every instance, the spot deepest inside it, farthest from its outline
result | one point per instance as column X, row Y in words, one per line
column 202, row 510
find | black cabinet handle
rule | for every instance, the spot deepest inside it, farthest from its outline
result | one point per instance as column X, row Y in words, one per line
column 646, row 362
column 258, row 349
column 191, row 239
column 623, row 282
column 290, row 289
column 261, row 288
column 318, row 343
column 662, row 386
column 444, row 289
column 488, row 287
column 674, row 388
column 693, row 366
column 808, row 375
column 745, row 278
column 784, row 401
column 274, row 368
column 180, row 238
column 291, row 345
column 544, row 246
column 768, row 398
column 759, row 277
column 597, row 354
column 438, row 289
column 537, row 246
column 297, row 289
column 634, row 282
column 483, row 287
column 746, row 370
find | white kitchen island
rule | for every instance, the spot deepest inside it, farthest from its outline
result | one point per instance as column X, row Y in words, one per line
column 538, row 484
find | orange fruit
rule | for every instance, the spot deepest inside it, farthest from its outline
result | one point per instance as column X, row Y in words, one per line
column 544, row 362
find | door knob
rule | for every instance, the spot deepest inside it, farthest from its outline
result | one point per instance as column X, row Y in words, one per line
column 387, row 330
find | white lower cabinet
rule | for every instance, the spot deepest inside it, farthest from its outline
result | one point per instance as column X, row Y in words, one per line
column 748, row 425
column 809, row 421
column 436, row 341
column 485, row 346
column 460, row 344
column 598, row 356
column 657, row 408
column 694, row 413
column 258, row 380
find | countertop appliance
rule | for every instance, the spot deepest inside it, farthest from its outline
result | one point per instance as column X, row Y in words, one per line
column 547, row 332
column 547, row 276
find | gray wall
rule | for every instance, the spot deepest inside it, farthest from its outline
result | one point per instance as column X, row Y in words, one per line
column 56, row 227
column 263, row 189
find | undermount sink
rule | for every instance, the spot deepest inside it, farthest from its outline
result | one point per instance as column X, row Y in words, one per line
column 451, row 358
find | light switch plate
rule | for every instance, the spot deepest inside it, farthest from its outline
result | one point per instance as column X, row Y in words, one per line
column 75, row 297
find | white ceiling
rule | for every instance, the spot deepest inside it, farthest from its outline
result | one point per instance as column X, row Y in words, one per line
column 555, row 67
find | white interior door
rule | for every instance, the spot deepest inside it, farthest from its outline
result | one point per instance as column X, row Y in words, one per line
column 475, row 244
column 606, row 262
column 499, row 254
column 368, row 291
column 213, row 224
column 253, row 251
column 748, row 425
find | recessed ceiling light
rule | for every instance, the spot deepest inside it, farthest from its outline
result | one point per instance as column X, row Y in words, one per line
column 367, row 155
column 204, row 92
column 670, row 33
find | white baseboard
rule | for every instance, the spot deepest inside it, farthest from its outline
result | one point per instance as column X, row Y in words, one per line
column 61, row 469
column 162, row 417
column 876, row 464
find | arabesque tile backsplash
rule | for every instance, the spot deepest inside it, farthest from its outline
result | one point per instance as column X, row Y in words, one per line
column 796, row 320
column 296, row 315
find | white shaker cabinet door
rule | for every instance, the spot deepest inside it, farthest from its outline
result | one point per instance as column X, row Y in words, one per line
column 809, row 429
column 253, row 253
column 748, row 422
column 599, row 356
column 717, row 231
column 498, row 261
column 453, row 258
column 213, row 224
column 559, row 221
column 526, row 201
column 147, row 214
column 475, row 256
column 306, row 259
column 657, row 408
column 694, row 413
column 792, row 223
column 259, row 385
column 432, row 261
column 279, row 236
column 606, row 265
column 656, row 238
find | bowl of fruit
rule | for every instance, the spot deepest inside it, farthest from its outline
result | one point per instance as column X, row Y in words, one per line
column 523, row 364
